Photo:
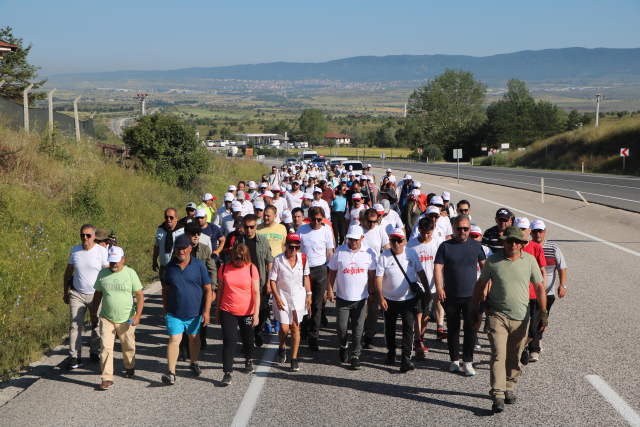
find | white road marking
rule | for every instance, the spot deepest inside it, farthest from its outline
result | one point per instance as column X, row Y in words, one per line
column 251, row 396
column 616, row 401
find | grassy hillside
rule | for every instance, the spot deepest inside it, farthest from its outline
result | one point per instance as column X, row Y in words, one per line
column 599, row 149
column 49, row 189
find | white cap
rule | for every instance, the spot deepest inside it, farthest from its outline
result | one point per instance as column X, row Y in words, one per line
column 252, row 184
column 115, row 254
column 538, row 224
column 522, row 223
column 388, row 170
column 207, row 196
column 201, row 213
column 263, row 185
column 295, row 181
column 276, row 188
column 241, row 195
column 259, row 205
column 232, row 188
column 415, row 193
column 286, row 217
column 379, row 208
column 446, row 195
column 416, row 184
column 352, row 173
column 397, row 232
column 356, row 196
column 308, row 196
column 433, row 209
column 355, row 232
column 236, row 206
column 407, row 176
column 369, row 165
column 228, row 197
column 435, row 200
column 268, row 193
column 317, row 190
column 475, row 230
column 386, row 205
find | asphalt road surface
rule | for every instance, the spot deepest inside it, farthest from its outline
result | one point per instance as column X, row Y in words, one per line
column 591, row 342
column 116, row 125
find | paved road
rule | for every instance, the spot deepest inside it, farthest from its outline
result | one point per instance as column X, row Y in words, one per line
column 621, row 192
column 116, row 125
column 593, row 331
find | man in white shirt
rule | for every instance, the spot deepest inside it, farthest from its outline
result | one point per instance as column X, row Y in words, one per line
column 279, row 202
column 353, row 265
column 426, row 246
column 225, row 210
column 274, row 177
column 391, row 220
column 443, row 229
column 353, row 215
column 247, row 206
column 318, row 245
column 396, row 297
column 294, row 197
column 228, row 221
column 391, row 177
column 85, row 262
column 317, row 199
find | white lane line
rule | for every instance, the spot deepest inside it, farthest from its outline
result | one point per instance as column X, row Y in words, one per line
column 251, row 396
column 616, row 401
column 531, row 215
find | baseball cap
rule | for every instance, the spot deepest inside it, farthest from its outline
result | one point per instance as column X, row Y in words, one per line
column 236, row 206
column 436, row 200
column 317, row 190
column 115, row 254
column 369, row 165
column 388, row 170
column 416, row 184
column 407, row 176
column 362, row 177
column 389, row 192
column 252, row 184
column 397, row 232
column 286, row 217
column 433, row 209
column 190, row 205
column 343, row 179
column 232, row 188
column 308, row 196
column 259, row 205
column 295, row 181
column 379, row 208
column 263, row 185
column 446, row 195
column 276, row 188
column 504, row 213
column 538, row 224
column 386, row 205
column 228, row 197
column 208, row 196
column 475, row 231
column 102, row 234
column 356, row 196
column 415, row 193
column 241, row 195
column 237, row 223
column 201, row 213
column 522, row 223
column 182, row 241
column 192, row 228
column 292, row 238
column 354, row 232
column 352, row 174
column 330, row 174
column 283, row 190
column 267, row 193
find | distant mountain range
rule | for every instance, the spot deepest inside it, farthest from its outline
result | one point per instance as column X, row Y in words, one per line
column 579, row 65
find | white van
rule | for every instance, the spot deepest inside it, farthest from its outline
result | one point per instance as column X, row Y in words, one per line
column 336, row 161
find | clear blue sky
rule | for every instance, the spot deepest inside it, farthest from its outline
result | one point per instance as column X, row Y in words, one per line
column 88, row 36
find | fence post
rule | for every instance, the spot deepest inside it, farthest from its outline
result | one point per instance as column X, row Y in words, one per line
column 50, row 95
column 542, row 188
column 25, row 97
column 75, row 115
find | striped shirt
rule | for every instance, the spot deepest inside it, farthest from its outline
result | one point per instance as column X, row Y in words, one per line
column 555, row 262
column 491, row 238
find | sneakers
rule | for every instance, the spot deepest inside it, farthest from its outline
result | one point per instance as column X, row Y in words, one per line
column 313, row 344
column 195, row 369
column 169, row 378
column 343, row 354
column 468, row 369
column 323, row 320
column 355, row 363
column 267, row 329
column 282, row 355
column 417, row 346
column 524, row 357
column 95, row 358
column 74, row 363
column 498, row 405
column 295, row 366
column 106, row 385
column 259, row 340
column 455, row 366
column 509, row 397
column 130, row 373
column 477, row 346
column 533, row 357
column 248, row 367
column 391, row 358
column 226, row 380
column 406, row 365
column 367, row 343
column 441, row 335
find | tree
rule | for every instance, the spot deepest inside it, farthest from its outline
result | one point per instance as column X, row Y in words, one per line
column 313, row 125
column 385, row 137
column 573, row 119
column 17, row 72
column 451, row 106
column 167, row 148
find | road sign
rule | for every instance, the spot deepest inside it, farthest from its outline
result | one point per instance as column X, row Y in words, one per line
column 335, row 153
column 383, row 155
column 420, row 150
column 624, row 152
column 504, row 146
column 248, row 152
column 483, row 149
column 493, row 151
column 457, row 153
column 364, row 152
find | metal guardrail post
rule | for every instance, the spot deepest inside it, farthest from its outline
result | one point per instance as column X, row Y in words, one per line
column 542, row 188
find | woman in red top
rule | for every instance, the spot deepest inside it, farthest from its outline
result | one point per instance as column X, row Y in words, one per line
column 238, row 297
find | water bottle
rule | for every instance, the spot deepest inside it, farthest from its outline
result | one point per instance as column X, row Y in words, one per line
column 130, row 321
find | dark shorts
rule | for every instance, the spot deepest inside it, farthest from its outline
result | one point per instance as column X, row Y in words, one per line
column 426, row 309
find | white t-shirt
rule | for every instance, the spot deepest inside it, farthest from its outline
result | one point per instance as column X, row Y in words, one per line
column 220, row 214
column 394, row 285
column 247, row 208
column 352, row 271
column 315, row 243
column 392, row 221
column 376, row 239
column 353, row 214
column 442, row 230
column 294, row 200
column 87, row 265
column 325, row 207
column 427, row 253
column 281, row 206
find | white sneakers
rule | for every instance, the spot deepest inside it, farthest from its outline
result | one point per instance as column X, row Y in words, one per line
column 455, row 366
column 468, row 369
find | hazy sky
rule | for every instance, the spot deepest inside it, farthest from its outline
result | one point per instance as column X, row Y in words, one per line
column 90, row 35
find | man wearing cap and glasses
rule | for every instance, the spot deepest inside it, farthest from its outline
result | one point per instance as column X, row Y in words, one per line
column 115, row 286
column 455, row 275
column 397, row 271
column 186, row 303
column 317, row 244
column 209, row 206
column 353, row 214
column 556, row 277
column 448, row 206
column 392, row 178
column 191, row 214
column 317, row 197
column 353, row 265
column 279, row 202
column 247, row 206
column 86, row 260
column 225, row 210
column 510, row 272
column 229, row 221
column 294, row 197
column 166, row 235
column 212, row 235
column 234, row 190
column 491, row 236
column 258, row 210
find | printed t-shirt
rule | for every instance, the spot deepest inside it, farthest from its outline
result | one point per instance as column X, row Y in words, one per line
column 276, row 235
column 352, row 271
column 237, row 297
column 427, row 253
column 117, row 293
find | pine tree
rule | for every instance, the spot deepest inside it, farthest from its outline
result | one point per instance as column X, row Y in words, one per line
column 17, row 72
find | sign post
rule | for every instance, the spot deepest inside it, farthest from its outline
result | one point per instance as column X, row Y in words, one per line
column 382, row 156
column 457, row 154
column 624, row 153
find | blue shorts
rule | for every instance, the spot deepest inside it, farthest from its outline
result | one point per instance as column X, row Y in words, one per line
column 178, row 325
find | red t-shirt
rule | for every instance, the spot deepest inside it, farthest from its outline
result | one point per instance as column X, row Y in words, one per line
column 237, row 296
column 535, row 249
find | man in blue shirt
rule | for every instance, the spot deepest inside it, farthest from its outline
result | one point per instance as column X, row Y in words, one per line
column 186, row 303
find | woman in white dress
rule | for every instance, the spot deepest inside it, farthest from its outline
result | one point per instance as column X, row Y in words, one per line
column 289, row 282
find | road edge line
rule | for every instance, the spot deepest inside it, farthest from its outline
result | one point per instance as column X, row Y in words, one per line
column 614, row 400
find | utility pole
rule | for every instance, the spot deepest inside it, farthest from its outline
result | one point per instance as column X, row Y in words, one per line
column 405, row 110
column 598, row 97
column 25, row 97
column 75, row 115
column 50, row 95
column 142, row 98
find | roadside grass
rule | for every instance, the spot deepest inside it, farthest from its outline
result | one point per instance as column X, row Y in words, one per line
column 47, row 191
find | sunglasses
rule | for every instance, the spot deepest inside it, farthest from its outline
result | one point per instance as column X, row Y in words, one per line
column 294, row 247
column 462, row 229
column 88, row 236
column 249, row 227
column 169, row 217
column 315, row 219
column 536, row 231
column 238, row 258
column 190, row 210
column 511, row 241
column 463, row 210
column 197, row 233
column 396, row 241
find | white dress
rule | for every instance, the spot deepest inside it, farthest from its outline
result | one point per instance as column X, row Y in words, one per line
column 291, row 291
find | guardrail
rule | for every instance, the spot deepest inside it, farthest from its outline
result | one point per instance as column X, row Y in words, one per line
column 365, row 159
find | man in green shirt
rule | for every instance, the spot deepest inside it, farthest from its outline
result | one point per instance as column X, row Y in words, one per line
column 510, row 272
column 115, row 287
